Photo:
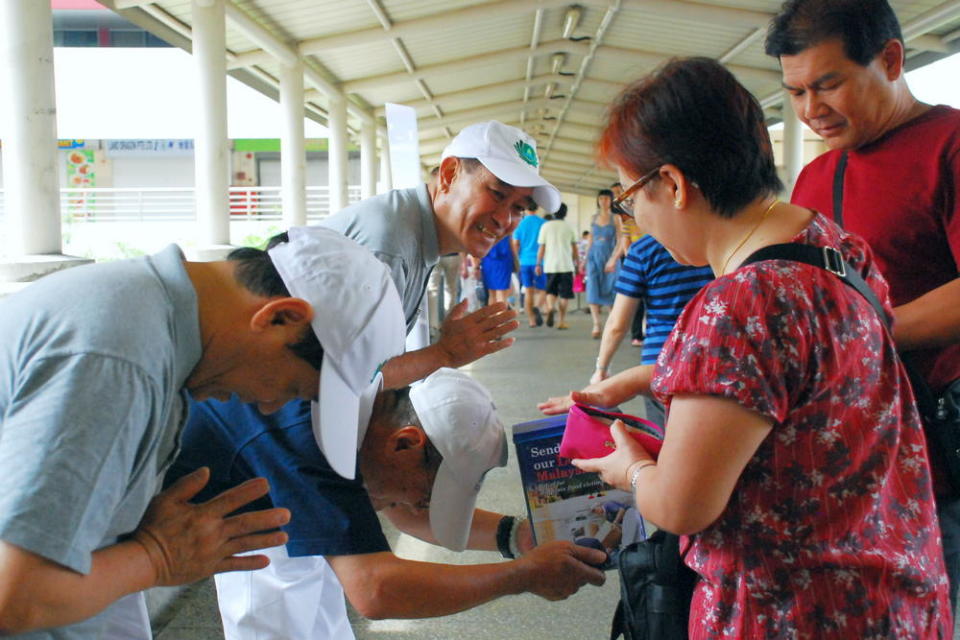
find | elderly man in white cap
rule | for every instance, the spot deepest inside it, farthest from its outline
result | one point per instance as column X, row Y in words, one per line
column 422, row 461
column 96, row 364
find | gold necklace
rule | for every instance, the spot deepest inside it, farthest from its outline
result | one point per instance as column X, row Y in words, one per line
column 775, row 202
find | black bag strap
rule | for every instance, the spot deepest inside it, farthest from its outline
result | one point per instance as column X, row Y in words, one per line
column 927, row 401
column 617, row 627
column 838, row 176
column 826, row 258
column 830, row 259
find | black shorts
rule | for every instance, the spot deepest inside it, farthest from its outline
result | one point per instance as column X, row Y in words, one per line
column 560, row 284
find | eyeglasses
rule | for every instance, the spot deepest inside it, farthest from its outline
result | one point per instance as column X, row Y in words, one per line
column 623, row 204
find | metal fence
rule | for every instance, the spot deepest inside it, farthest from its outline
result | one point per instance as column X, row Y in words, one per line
column 176, row 204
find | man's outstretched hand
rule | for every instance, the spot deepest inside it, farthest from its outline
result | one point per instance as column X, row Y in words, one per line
column 465, row 338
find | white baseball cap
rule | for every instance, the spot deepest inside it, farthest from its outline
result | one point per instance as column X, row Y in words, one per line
column 508, row 153
column 359, row 321
column 459, row 417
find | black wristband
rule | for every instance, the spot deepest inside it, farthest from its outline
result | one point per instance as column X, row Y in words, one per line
column 503, row 536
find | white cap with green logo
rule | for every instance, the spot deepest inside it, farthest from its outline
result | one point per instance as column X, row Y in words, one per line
column 508, row 153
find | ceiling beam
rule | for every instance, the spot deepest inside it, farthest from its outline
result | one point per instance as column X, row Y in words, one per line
column 458, row 18
column 653, row 59
column 457, row 65
column 930, row 20
column 704, row 13
column 479, row 92
column 495, row 112
column 929, row 43
column 595, row 44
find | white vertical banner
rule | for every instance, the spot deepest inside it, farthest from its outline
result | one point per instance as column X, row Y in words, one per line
column 404, row 145
column 405, row 169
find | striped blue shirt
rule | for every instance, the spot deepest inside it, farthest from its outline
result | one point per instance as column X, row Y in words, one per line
column 665, row 286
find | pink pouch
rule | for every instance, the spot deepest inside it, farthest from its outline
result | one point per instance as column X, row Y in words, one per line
column 587, row 434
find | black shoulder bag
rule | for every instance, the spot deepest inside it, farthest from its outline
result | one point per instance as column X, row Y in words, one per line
column 941, row 414
column 655, row 590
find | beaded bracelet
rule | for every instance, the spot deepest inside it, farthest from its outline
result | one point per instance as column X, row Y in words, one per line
column 513, row 542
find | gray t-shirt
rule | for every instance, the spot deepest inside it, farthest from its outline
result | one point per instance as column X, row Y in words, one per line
column 92, row 364
column 399, row 228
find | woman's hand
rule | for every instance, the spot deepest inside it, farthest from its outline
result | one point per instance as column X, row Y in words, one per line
column 611, row 265
column 615, row 469
column 562, row 404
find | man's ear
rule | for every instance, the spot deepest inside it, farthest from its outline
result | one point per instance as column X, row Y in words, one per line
column 290, row 314
column 407, row 438
column 450, row 167
column 892, row 59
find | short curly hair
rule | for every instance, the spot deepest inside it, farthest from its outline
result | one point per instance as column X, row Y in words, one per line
column 864, row 27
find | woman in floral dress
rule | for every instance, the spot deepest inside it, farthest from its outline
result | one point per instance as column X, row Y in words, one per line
column 794, row 463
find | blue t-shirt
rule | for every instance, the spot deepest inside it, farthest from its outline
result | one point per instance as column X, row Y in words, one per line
column 526, row 234
column 665, row 286
column 331, row 516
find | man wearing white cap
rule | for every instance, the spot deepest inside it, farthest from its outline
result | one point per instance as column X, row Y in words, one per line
column 422, row 461
column 489, row 175
column 96, row 364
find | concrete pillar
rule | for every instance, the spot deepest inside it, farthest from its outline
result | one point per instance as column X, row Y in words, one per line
column 368, row 160
column 792, row 144
column 32, row 241
column 30, row 133
column 293, row 156
column 211, row 146
column 386, row 173
column 337, row 150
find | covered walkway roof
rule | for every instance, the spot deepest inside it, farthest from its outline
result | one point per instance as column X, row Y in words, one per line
column 549, row 66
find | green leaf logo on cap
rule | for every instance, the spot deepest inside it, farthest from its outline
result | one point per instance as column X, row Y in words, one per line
column 526, row 153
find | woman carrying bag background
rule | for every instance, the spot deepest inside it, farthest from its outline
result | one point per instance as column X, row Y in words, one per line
column 793, row 461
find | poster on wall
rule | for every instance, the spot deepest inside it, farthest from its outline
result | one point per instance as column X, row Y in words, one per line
column 81, row 174
column 81, row 170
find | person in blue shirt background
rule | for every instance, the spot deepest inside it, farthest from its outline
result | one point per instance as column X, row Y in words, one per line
column 524, row 244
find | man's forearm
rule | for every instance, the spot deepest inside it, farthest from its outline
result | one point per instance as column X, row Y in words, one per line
column 409, row 367
column 382, row 585
column 930, row 321
column 36, row 593
column 483, row 530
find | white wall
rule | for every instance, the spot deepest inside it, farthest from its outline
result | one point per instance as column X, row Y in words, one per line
column 152, row 171
column 317, row 171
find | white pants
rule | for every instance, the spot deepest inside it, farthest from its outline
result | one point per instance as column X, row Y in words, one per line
column 292, row 599
column 127, row 619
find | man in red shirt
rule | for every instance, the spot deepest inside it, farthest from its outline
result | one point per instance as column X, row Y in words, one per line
column 843, row 66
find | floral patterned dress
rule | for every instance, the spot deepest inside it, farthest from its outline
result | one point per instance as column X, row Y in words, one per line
column 831, row 530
